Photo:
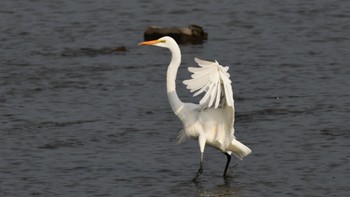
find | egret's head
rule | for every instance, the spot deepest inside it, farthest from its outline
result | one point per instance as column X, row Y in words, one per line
column 165, row 41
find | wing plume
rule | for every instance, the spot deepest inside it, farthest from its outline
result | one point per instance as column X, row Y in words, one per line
column 214, row 80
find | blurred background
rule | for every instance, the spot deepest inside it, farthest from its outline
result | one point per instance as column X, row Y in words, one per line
column 78, row 118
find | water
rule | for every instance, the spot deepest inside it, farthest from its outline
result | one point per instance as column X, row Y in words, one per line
column 84, row 123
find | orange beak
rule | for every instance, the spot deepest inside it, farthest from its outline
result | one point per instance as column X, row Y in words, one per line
column 152, row 42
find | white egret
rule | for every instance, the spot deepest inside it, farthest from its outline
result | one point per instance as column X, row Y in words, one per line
column 211, row 121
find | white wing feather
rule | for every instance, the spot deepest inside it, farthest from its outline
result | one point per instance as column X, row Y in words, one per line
column 214, row 80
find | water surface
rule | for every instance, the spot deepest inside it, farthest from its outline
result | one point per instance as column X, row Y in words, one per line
column 77, row 122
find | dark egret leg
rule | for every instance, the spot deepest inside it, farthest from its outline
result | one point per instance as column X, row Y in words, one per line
column 228, row 156
column 200, row 170
column 201, row 142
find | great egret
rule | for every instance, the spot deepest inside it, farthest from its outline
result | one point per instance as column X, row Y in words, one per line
column 211, row 121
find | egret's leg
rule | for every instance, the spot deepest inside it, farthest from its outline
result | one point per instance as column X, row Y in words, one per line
column 201, row 141
column 228, row 156
column 200, row 170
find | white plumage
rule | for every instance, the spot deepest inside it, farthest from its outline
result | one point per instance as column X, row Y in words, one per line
column 213, row 79
column 211, row 121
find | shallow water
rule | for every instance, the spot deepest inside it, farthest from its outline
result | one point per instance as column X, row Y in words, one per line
column 79, row 122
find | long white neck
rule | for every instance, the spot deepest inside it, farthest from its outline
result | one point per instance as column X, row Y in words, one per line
column 174, row 100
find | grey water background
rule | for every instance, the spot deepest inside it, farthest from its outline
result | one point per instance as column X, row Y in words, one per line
column 76, row 121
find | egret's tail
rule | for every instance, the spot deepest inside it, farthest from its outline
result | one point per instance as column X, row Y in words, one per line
column 239, row 149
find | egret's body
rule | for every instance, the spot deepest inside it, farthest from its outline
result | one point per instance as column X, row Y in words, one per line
column 211, row 121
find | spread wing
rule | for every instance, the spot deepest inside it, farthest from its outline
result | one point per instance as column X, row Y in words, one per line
column 214, row 80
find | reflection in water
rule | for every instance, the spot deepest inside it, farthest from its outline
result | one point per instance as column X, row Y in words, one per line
column 227, row 188
column 205, row 187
